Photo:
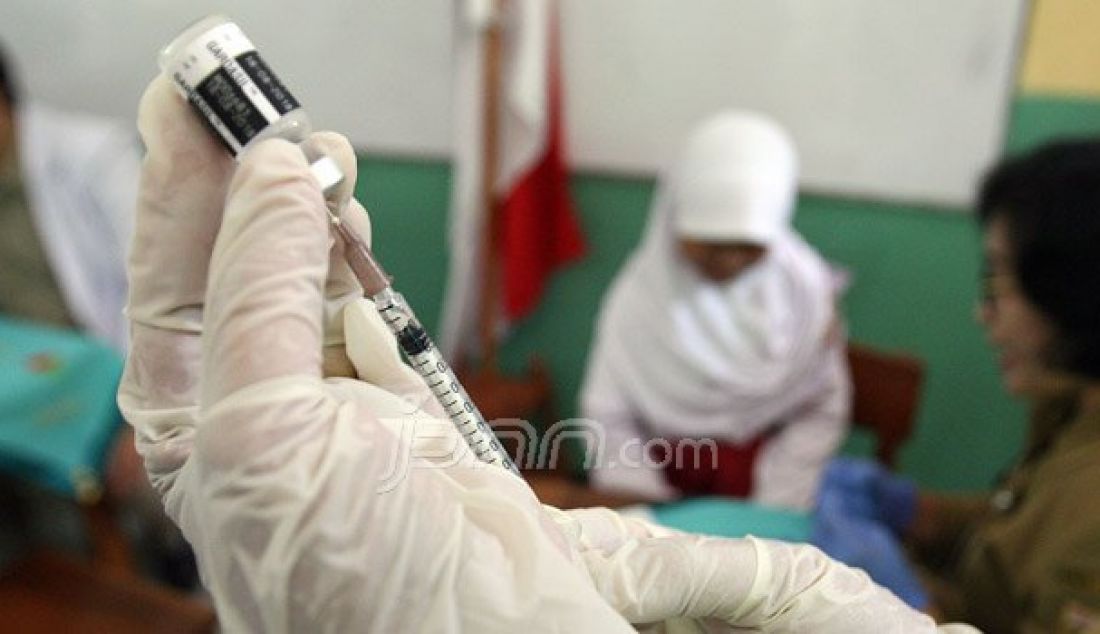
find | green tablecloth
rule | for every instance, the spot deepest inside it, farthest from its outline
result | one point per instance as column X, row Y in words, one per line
column 57, row 406
column 724, row 517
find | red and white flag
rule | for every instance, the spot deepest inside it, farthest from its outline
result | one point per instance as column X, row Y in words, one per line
column 537, row 224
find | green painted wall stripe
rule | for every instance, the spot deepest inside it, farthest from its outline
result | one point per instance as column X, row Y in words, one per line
column 914, row 285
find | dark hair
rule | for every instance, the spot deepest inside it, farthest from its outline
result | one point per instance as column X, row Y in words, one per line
column 7, row 80
column 1050, row 199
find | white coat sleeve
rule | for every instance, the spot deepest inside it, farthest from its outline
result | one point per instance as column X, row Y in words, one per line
column 619, row 463
column 791, row 464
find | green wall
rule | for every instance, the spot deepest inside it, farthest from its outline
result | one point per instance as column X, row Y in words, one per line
column 914, row 283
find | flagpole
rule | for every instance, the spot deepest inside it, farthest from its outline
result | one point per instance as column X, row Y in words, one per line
column 529, row 396
column 491, row 289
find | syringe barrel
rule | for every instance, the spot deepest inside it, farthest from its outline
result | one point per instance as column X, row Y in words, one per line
column 426, row 359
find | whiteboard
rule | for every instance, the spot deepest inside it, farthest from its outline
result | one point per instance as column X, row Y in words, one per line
column 886, row 98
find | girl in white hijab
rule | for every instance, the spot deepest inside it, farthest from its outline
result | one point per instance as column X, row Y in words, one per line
column 719, row 341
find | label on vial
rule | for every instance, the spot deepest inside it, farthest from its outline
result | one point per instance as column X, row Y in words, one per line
column 225, row 79
column 273, row 89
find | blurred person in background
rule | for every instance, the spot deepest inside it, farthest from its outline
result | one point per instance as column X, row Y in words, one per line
column 68, row 189
column 68, row 183
column 720, row 334
column 1025, row 557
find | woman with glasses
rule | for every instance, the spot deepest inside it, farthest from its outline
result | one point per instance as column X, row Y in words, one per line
column 1026, row 556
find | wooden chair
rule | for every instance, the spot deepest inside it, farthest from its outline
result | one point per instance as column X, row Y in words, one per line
column 886, row 391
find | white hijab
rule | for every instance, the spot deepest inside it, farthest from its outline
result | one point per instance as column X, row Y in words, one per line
column 696, row 357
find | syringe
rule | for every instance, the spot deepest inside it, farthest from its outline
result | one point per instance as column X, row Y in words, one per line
column 216, row 67
column 421, row 353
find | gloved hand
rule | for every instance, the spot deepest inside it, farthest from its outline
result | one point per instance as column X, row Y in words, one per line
column 865, row 544
column 867, row 490
column 309, row 501
column 649, row 572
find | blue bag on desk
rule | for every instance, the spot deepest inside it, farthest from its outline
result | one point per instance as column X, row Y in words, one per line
column 57, row 407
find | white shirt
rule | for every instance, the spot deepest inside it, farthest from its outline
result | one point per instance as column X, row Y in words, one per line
column 81, row 177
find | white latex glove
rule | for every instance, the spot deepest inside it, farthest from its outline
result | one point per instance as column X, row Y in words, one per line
column 285, row 482
column 650, row 574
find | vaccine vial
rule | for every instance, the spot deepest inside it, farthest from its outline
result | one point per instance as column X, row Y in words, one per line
column 218, row 70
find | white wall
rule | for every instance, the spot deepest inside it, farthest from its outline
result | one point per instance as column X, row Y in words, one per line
column 886, row 98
